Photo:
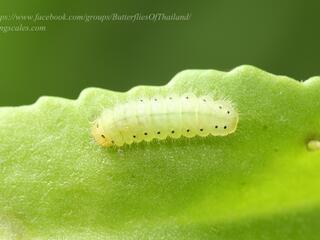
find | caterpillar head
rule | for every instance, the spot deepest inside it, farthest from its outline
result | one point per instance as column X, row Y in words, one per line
column 100, row 136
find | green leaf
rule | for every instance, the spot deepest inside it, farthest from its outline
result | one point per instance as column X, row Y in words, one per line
column 262, row 182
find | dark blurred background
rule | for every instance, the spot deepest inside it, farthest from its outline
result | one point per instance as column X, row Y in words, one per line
column 282, row 37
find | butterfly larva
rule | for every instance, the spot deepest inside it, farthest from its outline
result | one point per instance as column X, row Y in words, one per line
column 162, row 117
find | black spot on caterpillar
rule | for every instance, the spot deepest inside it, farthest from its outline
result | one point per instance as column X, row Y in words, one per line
column 162, row 117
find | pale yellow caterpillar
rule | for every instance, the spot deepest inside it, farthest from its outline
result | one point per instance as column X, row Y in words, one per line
column 162, row 117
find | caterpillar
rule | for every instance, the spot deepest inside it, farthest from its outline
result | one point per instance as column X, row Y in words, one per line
column 161, row 117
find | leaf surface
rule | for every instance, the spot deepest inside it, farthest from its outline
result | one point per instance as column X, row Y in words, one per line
column 259, row 183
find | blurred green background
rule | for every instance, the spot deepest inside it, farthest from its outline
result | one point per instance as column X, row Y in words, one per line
column 281, row 37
